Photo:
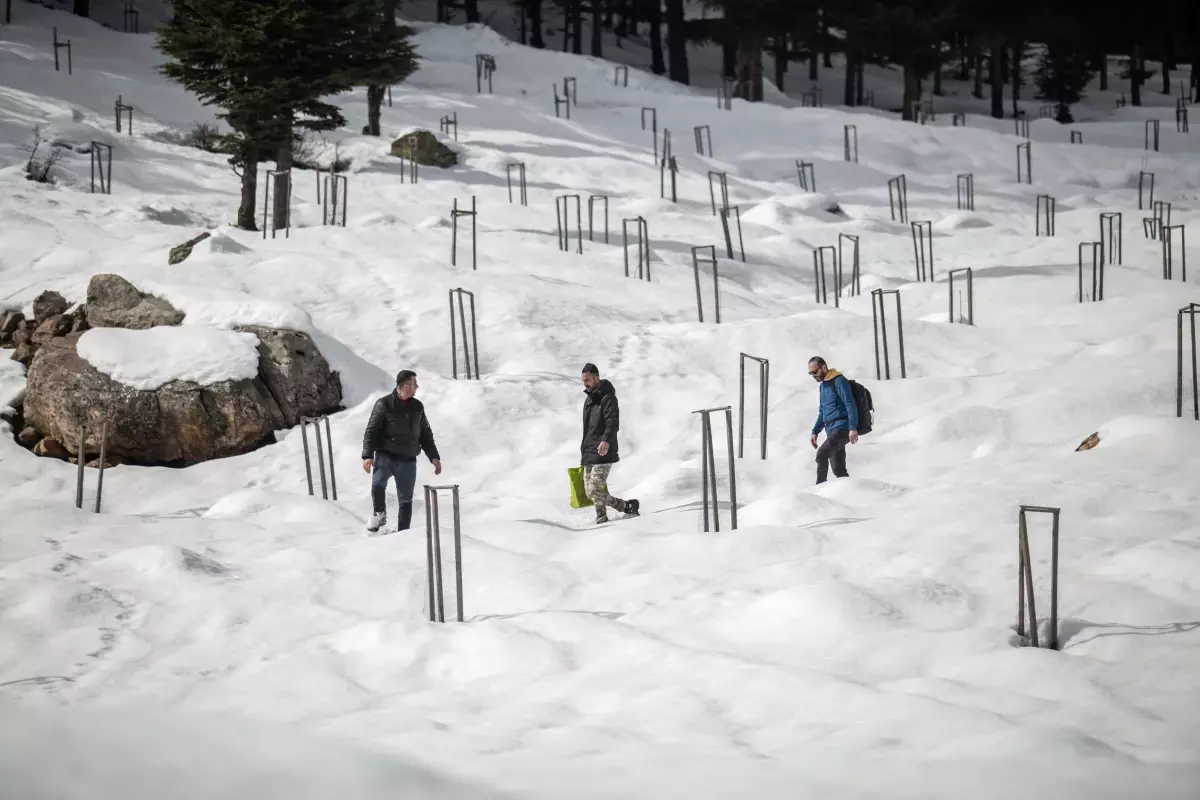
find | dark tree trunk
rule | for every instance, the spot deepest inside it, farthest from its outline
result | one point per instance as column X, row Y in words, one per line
column 657, row 64
column 1016, row 78
column 728, row 58
column 978, row 92
column 851, row 71
column 1102, row 68
column 597, row 28
column 375, row 95
column 813, row 64
column 996, row 74
column 677, row 43
column 912, row 92
column 622, row 29
column 750, row 68
column 1168, row 64
column 937, row 79
column 965, row 60
column 577, row 27
column 81, row 8
column 535, row 24
column 780, row 47
column 859, row 79
column 1003, row 64
column 472, row 9
column 1135, row 75
column 247, row 208
column 281, row 207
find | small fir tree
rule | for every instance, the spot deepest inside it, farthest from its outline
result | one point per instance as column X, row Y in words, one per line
column 1062, row 74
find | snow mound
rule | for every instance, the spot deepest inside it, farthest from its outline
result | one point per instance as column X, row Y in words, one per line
column 783, row 213
column 147, row 359
column 221, row 244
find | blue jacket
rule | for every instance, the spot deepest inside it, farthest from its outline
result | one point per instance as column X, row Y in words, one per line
column 838, row 410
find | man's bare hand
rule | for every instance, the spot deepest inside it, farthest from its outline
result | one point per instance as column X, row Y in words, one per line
column 602, row 449
column 437, row 466
column 813, row 441
column 853, row 437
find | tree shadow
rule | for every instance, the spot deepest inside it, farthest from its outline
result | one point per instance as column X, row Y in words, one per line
column 1076, row 632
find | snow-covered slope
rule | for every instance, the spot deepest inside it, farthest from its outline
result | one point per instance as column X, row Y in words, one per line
column 852, row 640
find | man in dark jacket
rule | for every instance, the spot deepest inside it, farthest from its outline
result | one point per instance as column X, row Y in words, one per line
column 396, row 434
column 601, row 420
column 837, row 416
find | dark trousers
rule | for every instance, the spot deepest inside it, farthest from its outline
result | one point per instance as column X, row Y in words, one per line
column 404, row 470
column 833, row 449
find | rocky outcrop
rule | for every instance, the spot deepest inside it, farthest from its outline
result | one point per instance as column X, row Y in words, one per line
column 180, row 253
column 425, row 149
column 48, row 304
column 1089, row 442
column 113, row 302
column 296, row 374
column 9, row 322
column 178, row 423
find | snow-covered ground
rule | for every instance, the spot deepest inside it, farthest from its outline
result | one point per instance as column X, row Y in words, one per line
column 852, row 640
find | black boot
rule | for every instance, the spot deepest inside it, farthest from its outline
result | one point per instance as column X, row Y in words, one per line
column 632, row 507
column 404, row 517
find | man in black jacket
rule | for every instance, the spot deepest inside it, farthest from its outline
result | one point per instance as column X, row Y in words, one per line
column 396, row 433
column 601, row 420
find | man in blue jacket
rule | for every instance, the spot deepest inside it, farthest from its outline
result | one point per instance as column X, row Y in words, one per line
column 837, row 416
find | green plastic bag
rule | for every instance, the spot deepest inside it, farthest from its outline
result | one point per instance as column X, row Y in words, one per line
column 579, row 498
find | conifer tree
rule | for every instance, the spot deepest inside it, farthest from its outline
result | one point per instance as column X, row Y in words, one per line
column 269, row 65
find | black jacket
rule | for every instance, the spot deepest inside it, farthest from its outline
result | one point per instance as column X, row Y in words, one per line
column 601, row 419
column 398, row 428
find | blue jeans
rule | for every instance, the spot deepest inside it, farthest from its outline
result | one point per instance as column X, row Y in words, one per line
column 387, row 467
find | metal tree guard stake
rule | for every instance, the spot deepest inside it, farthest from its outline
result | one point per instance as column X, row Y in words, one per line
column 922, row 236
column 1097, row 251
column 708, row 462
column 970, row 294
column 590, row 205
column 1025, row 576
column 1190, row 311
column 82, row 462
column 855, row 284
column 471, row 353
column 764, row 377
column 316, row 423
column 965, row 191
column 433, row 554
column 455, row 213
column 898, row 197
column 1111, row 237
column 879, row 326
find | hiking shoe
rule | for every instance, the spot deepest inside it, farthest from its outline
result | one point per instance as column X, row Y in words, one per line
column 601, row 516
column 377, row 521
column 632, row 508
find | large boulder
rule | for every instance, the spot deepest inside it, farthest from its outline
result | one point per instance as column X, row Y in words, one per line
column 425, row 149
column 296, row 374
column 48, row 304
column 179, row 423
column 113, row 302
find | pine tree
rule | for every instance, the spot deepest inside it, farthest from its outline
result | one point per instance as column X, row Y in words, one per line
column 1062, row 74
column 393, row 58
column 269, row 64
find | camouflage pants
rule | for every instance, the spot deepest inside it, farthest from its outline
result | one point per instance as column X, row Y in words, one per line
column 595, row 478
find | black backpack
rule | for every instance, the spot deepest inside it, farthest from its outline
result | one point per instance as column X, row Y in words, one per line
column 866, row 407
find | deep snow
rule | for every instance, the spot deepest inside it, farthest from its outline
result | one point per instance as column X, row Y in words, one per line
column 148, row 359
column 852, row 640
